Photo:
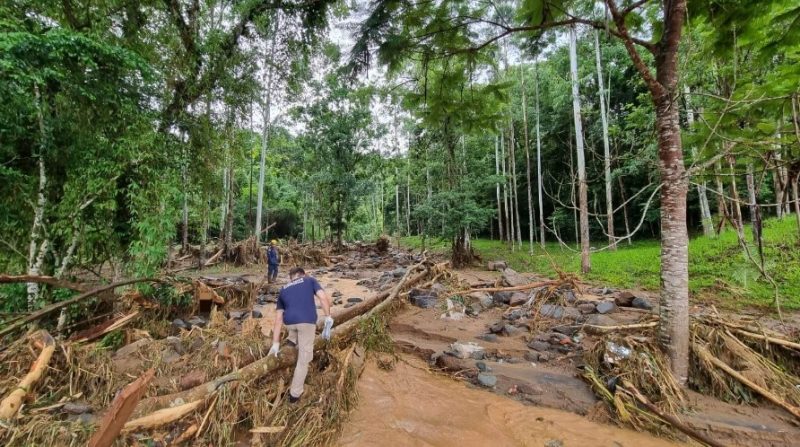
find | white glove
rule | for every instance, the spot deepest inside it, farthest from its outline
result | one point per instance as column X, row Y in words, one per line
column 276, row 346
column 326, row 332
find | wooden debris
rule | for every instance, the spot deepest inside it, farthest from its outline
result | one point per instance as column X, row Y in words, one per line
column 606, row 329
column 11, row 404
column 49, row 280
column 186, row 435
column 529, row 286
column 203, row 292
column 121, row 409
column 267, row 430
column 163, row 416
column 205, row 418
column 103, row 329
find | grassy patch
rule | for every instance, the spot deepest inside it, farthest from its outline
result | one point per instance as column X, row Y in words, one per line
column 719, row 271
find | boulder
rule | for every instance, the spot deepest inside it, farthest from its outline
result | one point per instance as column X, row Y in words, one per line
column 496, row 328
column 502, row 297
column 558, row 312
column 355, row 300
column 488, row 337
column 518, row 299
column 586, row 308
column 567, row 329
column 527, row 388
column 464, row 350
column 487, row 380
column 513, row 279
column 438, row 289
column 532, row 356
column 515, row 314
column 76, row 408
column 511, row 331
column 482, row 366
column 179, row 324
column 600, row 320
column 498, row 266
column 540, row 346
column 398, row 272
column 624, row 299
column 483, row 298
column 256, row 314
column 423, row 301
column 641, row 303
column 605, row 307
column 196, row 321
column 568, row 295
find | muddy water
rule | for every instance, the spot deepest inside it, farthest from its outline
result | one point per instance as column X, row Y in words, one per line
column 412, row 407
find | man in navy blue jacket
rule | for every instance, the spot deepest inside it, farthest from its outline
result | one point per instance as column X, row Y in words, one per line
column 273, row 260
column 298, row 310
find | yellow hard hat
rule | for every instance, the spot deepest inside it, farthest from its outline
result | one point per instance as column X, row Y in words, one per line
column 273, row 242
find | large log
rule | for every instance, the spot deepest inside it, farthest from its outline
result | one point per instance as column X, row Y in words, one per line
column 287, row 356
column 121, row 409
column 33, row 316
column 162, row 417
column 11, row 404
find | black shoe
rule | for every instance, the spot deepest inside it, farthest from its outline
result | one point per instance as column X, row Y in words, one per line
column 292, row 399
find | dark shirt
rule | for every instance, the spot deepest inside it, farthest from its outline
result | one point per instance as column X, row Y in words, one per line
column 272, row 255
column 296, row 300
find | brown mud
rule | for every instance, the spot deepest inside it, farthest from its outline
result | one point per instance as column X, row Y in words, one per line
column 411, row 406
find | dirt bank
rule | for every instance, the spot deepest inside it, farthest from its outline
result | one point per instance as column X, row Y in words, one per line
column 413, row 407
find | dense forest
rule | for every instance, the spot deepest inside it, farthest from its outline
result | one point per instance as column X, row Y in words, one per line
column 133, row 129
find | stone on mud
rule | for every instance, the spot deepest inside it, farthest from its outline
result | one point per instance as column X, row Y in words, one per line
column 423, row 301
column 355, row 300
column 527, row 388
column 502, row 297
column 179, row 324
column 540, row 346
column 513, row 279
column 197, row 321
column 567, row 329
column 465, row 350
column 496, row 265
column 641, row 303
column 511, row 331
column 600, row 320
column 605, row 307
column 532, row 356
column 487, row 380
column 557, row 312
column 256, row 314
column 586, row 308
column 192, row 379
column 518, row 299
column 488, row 337
column 483, row 298
column 624, row 299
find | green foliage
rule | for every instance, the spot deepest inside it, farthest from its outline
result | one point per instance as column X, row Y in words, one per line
column 112, row 341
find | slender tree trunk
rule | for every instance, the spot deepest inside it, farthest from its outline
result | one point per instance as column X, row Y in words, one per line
column 539, row 161
column 582, row 187
column 779, row 182
column 755, row 213
column 514, row 184
column 185, row 213
column 38, row 240
column 527, row 160
column 204, row 234
column 737, row 207
column 573, row 194
column 408, row 194
column 397, row 200
column 606, row 147
column 265, row 136
column 624, row 209
column 705, row 211
column 795, row 187
column 496, row 186
column 506, row 219
column 722, row 209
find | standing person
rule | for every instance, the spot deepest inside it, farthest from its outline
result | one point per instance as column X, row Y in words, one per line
column 273, row 261
column 297, row 309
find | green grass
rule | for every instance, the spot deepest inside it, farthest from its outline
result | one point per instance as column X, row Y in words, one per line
column 719, row 272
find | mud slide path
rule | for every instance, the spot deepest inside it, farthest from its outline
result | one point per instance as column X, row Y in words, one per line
column 412, row 407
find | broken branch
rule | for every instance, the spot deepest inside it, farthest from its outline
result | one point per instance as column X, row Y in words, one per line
column 11, row 404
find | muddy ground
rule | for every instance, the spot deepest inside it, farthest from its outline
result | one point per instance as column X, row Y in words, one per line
column 524, row 388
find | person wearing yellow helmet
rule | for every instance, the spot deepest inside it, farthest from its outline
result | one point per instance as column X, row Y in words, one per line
column 273, row 261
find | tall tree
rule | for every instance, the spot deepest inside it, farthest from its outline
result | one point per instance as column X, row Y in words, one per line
column 583, row 195
column 612, row 242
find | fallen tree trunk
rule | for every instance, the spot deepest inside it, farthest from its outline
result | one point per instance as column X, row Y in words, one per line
column 529, row 286
column 49, row 280
column 33, row 316
column 162, row 417
column 706, row 355
column 121, row 409
column 287, row 356
column 11, row 404
column 103, row 329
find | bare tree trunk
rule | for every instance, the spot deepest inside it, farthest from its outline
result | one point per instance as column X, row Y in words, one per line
column 624, row 209
column 38, row 241
column 737, row 207
column 496, row 186
column 506, row 219
column 265, row 137
column 185, row 213
column 586, row 265
column 527, row 160
column 539, row 161
column 705, row 211
column 612, row 242
column 755, row 213
column 779, row 180
column 722, row 209
column 517, row 229
column 397, row 200
column 204, row 234
column 796, row 200
column 408, row 194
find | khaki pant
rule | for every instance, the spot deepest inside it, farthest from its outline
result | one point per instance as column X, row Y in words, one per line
column 302, row 335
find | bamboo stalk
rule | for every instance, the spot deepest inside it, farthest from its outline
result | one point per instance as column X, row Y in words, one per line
column 11, row 404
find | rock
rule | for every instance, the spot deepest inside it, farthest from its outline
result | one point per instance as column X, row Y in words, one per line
column 532, row 356
column 438, row 289
column 554, row 443
column 423, row 301
column 179, row 324
column 515, row 314
column 488, row 337
column 498, row 266
column 398, row 272
column 527, row 388
column 569, row 296
column 236, row 314
column 355, row 300
column 337, row 301
column 84, row 418
column 496, row 328
column 176, row 343
column 514, row 360
column 624, row 299
column 192, row 379
column 196, row 321
column 567, row 330
column 223, row 349
column 518, row 299
column 474, row 309
column 545, row 356
column 605, row 307
column 478, row 355
column 540, row 346
column 600, row 320
column 641, row 303
column 464, row 350
column 130, row 348
column 511, row 331
column 336, row 294
column 256, row 314
column 586, row 308
column 169, row 356
column 558, row 312
column 349, row 305
column 482, row 366
column 501, row 297
column 76, row 408
column 512, row 279
column 487, row 380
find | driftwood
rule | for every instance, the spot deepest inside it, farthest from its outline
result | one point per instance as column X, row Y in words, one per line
column 121, row 409
column 162, row 417
column 49, row 280
column 11, row 404
column 214, row 258
column 33, row 316
column 187, row 434
column 768, row 339
column 606, row 329
column 103, row 329
column 529, row 286
column 706, row 355
column 287, row 356
column 630, row 389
